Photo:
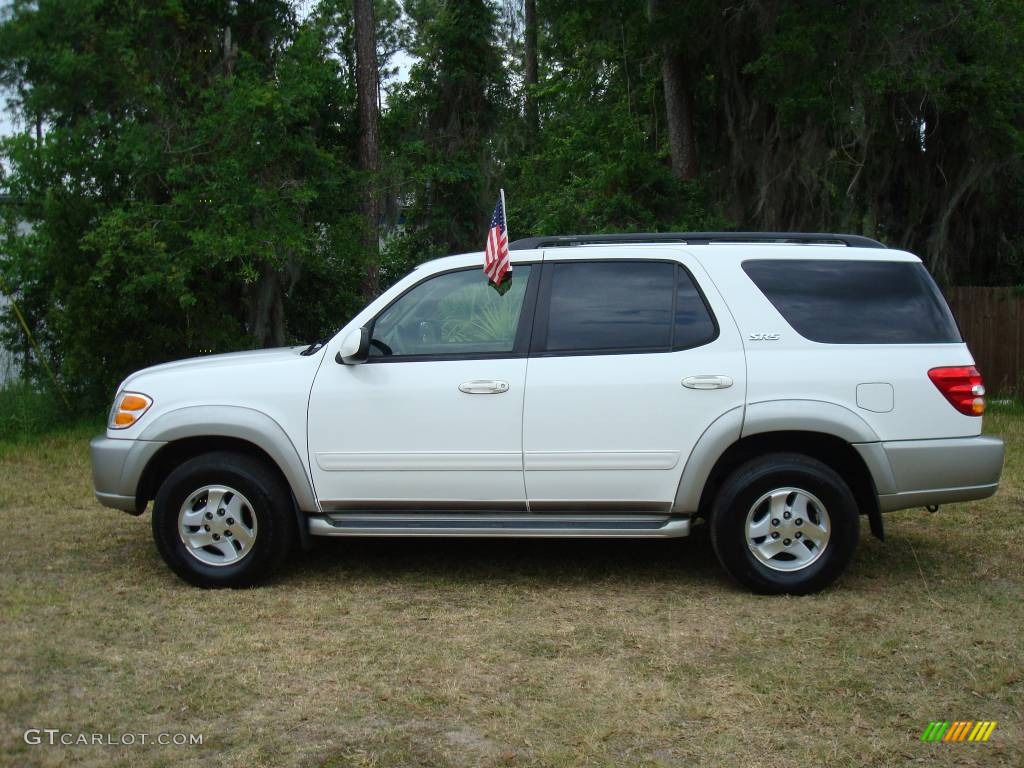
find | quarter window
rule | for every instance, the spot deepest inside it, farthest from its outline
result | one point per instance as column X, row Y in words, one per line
column 856, row 302
column 456, row 313
column 694, row 325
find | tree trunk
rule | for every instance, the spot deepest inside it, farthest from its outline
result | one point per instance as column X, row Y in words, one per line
column 679, row 116
column 369, row 138
column 266, row 309
column 678, row 88
column 531, row 65
column 230, row 52
column 938, row 243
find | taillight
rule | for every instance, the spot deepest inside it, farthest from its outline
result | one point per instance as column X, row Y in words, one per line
column 962, row 386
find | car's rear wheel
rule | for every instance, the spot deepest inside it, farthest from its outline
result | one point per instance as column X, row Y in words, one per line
column 223, row 519
column 784, row 523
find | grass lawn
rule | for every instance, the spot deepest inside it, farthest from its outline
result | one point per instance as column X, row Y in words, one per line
column 481, row 653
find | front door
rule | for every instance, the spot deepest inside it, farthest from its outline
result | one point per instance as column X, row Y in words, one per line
column 433, row 420
column 628, row 367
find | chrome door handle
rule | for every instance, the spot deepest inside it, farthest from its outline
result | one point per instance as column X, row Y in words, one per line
column 707, row 382
column 484, row 387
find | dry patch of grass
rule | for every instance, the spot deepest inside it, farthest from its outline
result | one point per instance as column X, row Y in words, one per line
column 491, row 653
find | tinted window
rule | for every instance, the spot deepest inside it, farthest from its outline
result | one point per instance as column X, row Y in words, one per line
column 856, row 302
column 624, row 306
column 693, row 325
column 456, row 313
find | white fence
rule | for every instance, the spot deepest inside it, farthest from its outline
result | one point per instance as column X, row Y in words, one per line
column 9, row 368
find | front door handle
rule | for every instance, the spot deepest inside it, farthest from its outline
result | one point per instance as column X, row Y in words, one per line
column 484, row 387
column 707, row 382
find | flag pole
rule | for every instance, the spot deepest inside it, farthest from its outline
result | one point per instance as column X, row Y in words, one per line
column 504, row 213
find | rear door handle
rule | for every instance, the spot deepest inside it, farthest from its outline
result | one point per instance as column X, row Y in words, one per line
column 484, row 387
column 707, row 382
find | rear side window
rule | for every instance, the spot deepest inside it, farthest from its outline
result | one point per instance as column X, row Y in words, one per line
column 856, row 302
column 622, row 306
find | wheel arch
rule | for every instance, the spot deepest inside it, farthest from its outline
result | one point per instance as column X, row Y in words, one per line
column 191, row 431
column 822, row 431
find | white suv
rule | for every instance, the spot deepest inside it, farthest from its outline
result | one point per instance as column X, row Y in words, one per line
column 775, row 385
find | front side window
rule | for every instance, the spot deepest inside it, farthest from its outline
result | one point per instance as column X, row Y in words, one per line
column 456, row 313
column 624, row 306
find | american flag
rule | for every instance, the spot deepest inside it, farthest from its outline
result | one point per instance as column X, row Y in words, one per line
column 497, row 263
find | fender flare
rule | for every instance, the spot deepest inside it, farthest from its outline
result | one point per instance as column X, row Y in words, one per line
column 807, row 416
column 795, row 415
column 715, row 441
column 242, row 423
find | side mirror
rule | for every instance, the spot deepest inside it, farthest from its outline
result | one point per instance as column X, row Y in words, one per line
column 355, row 348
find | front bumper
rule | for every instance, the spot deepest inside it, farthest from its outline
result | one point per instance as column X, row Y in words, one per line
column 117, row 465
column 920, row 473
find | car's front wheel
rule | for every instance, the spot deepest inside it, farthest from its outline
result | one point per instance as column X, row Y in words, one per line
column 784, row 523
column 223, row 519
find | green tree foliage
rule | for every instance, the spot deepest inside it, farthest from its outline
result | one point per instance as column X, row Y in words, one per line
column 897, row 119
column 600, row 161
column 194, row 181
column 442, row 124
column 192, row 187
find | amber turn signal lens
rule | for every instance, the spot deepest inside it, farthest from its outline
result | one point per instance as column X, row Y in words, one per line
column 133, row 403
column 128, row 409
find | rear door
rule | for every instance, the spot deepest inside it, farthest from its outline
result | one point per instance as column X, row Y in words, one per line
column 633, row 356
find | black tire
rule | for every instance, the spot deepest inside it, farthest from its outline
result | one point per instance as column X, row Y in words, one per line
column 271, row 505
column 750, row 482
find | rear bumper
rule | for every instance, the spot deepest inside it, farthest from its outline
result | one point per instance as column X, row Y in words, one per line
column 916, row 473
column 117, row 465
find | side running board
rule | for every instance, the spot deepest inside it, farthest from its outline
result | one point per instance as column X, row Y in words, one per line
column 486, row 525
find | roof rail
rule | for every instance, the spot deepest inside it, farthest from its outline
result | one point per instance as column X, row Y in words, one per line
column 695, row 238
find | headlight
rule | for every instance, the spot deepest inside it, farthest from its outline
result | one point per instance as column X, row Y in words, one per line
column 128, row 409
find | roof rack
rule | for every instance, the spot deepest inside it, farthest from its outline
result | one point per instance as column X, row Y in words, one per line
column 696, row 238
